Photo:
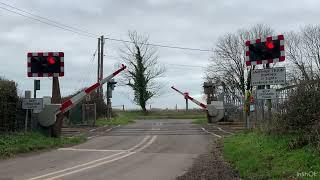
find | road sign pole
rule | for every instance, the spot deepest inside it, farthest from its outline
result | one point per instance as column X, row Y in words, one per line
column 27, row 94
column 268, row 100
column 34, row 93
column 36, row 86
column 186, row 104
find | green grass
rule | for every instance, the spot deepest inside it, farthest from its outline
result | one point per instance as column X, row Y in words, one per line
column 171, row 114
column 260, row 156
column 200, row 121
column 14, row 143
column 127, row 117
column 121, row 119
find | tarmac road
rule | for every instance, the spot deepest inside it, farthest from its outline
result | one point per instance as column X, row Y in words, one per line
column 148, row 149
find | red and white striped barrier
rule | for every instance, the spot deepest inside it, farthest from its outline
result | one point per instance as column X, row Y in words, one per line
column 186, row 95
column 68, row 104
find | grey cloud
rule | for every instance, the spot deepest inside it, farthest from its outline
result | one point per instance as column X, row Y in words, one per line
column 187, row 23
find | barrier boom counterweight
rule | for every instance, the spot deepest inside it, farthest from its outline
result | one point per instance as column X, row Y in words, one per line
column 47, row 117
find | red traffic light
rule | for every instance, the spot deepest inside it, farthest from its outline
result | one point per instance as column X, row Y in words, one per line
column 269, row 45
column 51, row 60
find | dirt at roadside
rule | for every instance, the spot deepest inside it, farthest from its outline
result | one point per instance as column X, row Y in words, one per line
column 210, row 166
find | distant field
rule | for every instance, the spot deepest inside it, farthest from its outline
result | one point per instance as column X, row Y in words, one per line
column 126, row 117
column 171, row 114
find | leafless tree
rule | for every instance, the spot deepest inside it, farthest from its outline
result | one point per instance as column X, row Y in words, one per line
column 228, row 61
column 143, row 68
column 303, row 51
column 296, row 54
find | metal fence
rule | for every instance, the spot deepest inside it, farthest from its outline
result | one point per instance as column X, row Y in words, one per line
column 234, row 105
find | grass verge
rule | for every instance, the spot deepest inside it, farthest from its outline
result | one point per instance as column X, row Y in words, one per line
column 21, row 142
column 200, row 121
column 121, row 119
column 260, row 156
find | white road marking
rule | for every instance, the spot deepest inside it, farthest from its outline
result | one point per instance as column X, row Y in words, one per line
column 224, row 130
column 211, row 133
column 91, row 162
column 90, row 137
column 106, row 162
column 111, row 128
column 90, row 150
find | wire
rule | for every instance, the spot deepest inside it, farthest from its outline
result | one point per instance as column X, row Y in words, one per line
column 161, row 45
column 182, row 65
column 194, row 66
column 50, row 20
column 84, row 32
column 94, row 55
column 44, row 22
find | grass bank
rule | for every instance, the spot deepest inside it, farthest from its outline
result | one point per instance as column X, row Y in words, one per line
column 14, row 143
column 260, row 156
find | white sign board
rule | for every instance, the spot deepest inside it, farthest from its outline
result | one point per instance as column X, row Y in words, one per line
column 266, row 94
column 270, row 76
column 31, row 103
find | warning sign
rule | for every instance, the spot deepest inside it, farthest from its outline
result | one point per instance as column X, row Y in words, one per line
column 32, row 103
column 271, row 76
column 266, row 94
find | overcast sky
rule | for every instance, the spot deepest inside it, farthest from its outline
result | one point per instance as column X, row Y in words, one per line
column 187, row 23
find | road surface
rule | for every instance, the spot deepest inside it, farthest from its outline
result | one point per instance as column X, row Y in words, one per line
column 148, row 149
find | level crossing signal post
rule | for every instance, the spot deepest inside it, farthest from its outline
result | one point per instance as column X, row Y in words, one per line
column 48, row 64
column 263, row 51
column 51, row 64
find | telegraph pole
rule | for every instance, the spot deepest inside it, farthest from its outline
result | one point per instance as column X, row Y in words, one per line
column 101, row 63
column 98, row 75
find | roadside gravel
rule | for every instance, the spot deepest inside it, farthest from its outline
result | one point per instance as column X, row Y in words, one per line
column 210, row 166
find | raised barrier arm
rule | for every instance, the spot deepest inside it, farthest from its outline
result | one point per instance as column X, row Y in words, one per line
column 191, row 98
column 47, row 116
column 68, row 104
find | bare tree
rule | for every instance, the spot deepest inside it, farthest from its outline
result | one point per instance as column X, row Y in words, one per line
column 296, row 54
column 143, row 69
column 303, row 51
column 228, row 60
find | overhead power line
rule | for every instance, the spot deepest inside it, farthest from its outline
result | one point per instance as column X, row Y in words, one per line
column 48, row 23
column 170, row 64
column 47, row 19
column 162, row 45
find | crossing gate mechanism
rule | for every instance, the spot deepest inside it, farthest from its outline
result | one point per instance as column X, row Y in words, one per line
column 47, row 116
column 215, row 109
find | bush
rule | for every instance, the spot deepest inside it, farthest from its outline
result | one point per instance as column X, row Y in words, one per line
column 301, row 115
column 9, row 104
